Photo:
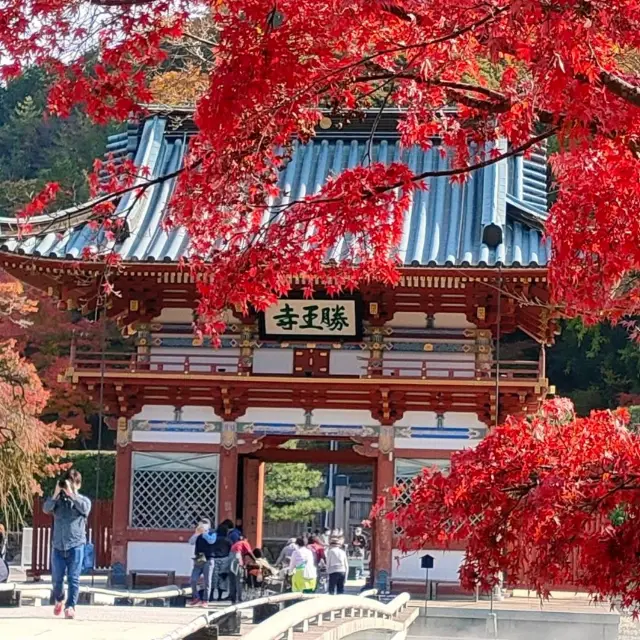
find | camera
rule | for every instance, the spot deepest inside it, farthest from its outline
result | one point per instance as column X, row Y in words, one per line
column 62, row 483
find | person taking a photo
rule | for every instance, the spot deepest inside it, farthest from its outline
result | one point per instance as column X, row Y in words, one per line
column 70, row 510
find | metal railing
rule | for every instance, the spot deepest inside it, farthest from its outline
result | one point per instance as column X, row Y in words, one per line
column 42, row 590
column 233, row 365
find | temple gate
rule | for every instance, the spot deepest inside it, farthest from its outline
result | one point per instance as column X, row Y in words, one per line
column 403, row 375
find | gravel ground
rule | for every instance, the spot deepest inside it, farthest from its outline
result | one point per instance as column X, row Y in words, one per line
column 629, row 628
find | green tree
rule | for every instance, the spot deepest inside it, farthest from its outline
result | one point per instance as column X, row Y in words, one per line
column 288, row 496
column 86, row 462
column 597, row 367
column 36, row 148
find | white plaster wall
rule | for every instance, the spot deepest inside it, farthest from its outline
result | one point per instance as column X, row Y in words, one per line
column 205, row 352
column 161, row 556
column 445, row 565
column 175, row 315
column 166, row 412
column 417, row 418
column 416, row 320
column 347, row 363
column 200, row 360
column 291, row 415
column 273, row 361
column 408, row 364
column 428, row 419
column 435, row 444
column 452, row 321
column 341, row 416
column 409, row 319
column 182, row 437
column 180, row 315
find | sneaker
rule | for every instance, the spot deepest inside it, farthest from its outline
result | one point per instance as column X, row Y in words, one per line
column 70, row 613
column 196, row 602
column 57, row 609
column 203, row 603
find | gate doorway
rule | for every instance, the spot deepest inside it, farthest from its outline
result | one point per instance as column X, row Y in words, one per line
column 322, row 473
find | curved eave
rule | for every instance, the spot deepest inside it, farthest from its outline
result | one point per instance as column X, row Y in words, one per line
column 56, row 266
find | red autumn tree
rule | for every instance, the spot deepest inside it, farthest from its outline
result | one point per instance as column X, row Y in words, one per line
column 538, row 497
column 463, row 72
column 28, row 446
column 43, row 333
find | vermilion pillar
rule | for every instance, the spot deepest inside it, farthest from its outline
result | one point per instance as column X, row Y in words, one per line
column 383, row 532
column 121, row 498
column 253, row 501
column 228, row 484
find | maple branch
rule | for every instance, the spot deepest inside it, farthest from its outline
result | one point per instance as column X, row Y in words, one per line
column 621, row 88
column 456, row 90
column 480, row 165
column 436, row 82
column 108, row 197
column 495, row 12
column 411, row 17
column 204, row 41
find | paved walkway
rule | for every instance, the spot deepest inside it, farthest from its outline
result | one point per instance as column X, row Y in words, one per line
column 149, row 623
column 92, row 623
column 111, row 623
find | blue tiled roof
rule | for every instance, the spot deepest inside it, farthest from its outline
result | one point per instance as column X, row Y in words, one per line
column 495, row 217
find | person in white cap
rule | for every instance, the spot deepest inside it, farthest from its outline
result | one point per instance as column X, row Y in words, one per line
column 286, row 553
column 337, row 566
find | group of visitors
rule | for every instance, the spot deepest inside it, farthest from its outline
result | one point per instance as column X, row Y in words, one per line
column 306, row 556
column 225, row 560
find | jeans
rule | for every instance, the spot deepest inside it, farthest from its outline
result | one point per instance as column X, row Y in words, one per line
column 219, row 580
column 206, row 570
column 235, row 586
column 336, row 583
column 69, row 562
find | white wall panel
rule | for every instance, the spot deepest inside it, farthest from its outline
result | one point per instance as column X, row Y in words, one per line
column 290, row 415
column 273, row 361
column 435, row 443
column 161, row 556
column 408, row 319
column 347, row 363
column 445, row 565
column 441, row 365
column 451, row 321
column 428, row 419
column 165, row 412
column 344, row 416
column 186, row 437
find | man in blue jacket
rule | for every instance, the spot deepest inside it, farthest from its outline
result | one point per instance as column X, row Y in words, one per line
column 203, row 562
column 70, row 510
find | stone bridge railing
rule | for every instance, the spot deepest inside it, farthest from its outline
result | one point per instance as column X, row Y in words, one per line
column 345, row 615
column 211, row 618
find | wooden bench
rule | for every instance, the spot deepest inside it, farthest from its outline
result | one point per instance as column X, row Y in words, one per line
column 170, row 576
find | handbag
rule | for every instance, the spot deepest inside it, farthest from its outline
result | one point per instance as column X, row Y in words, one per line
column 88, row 557
column 199, row 561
